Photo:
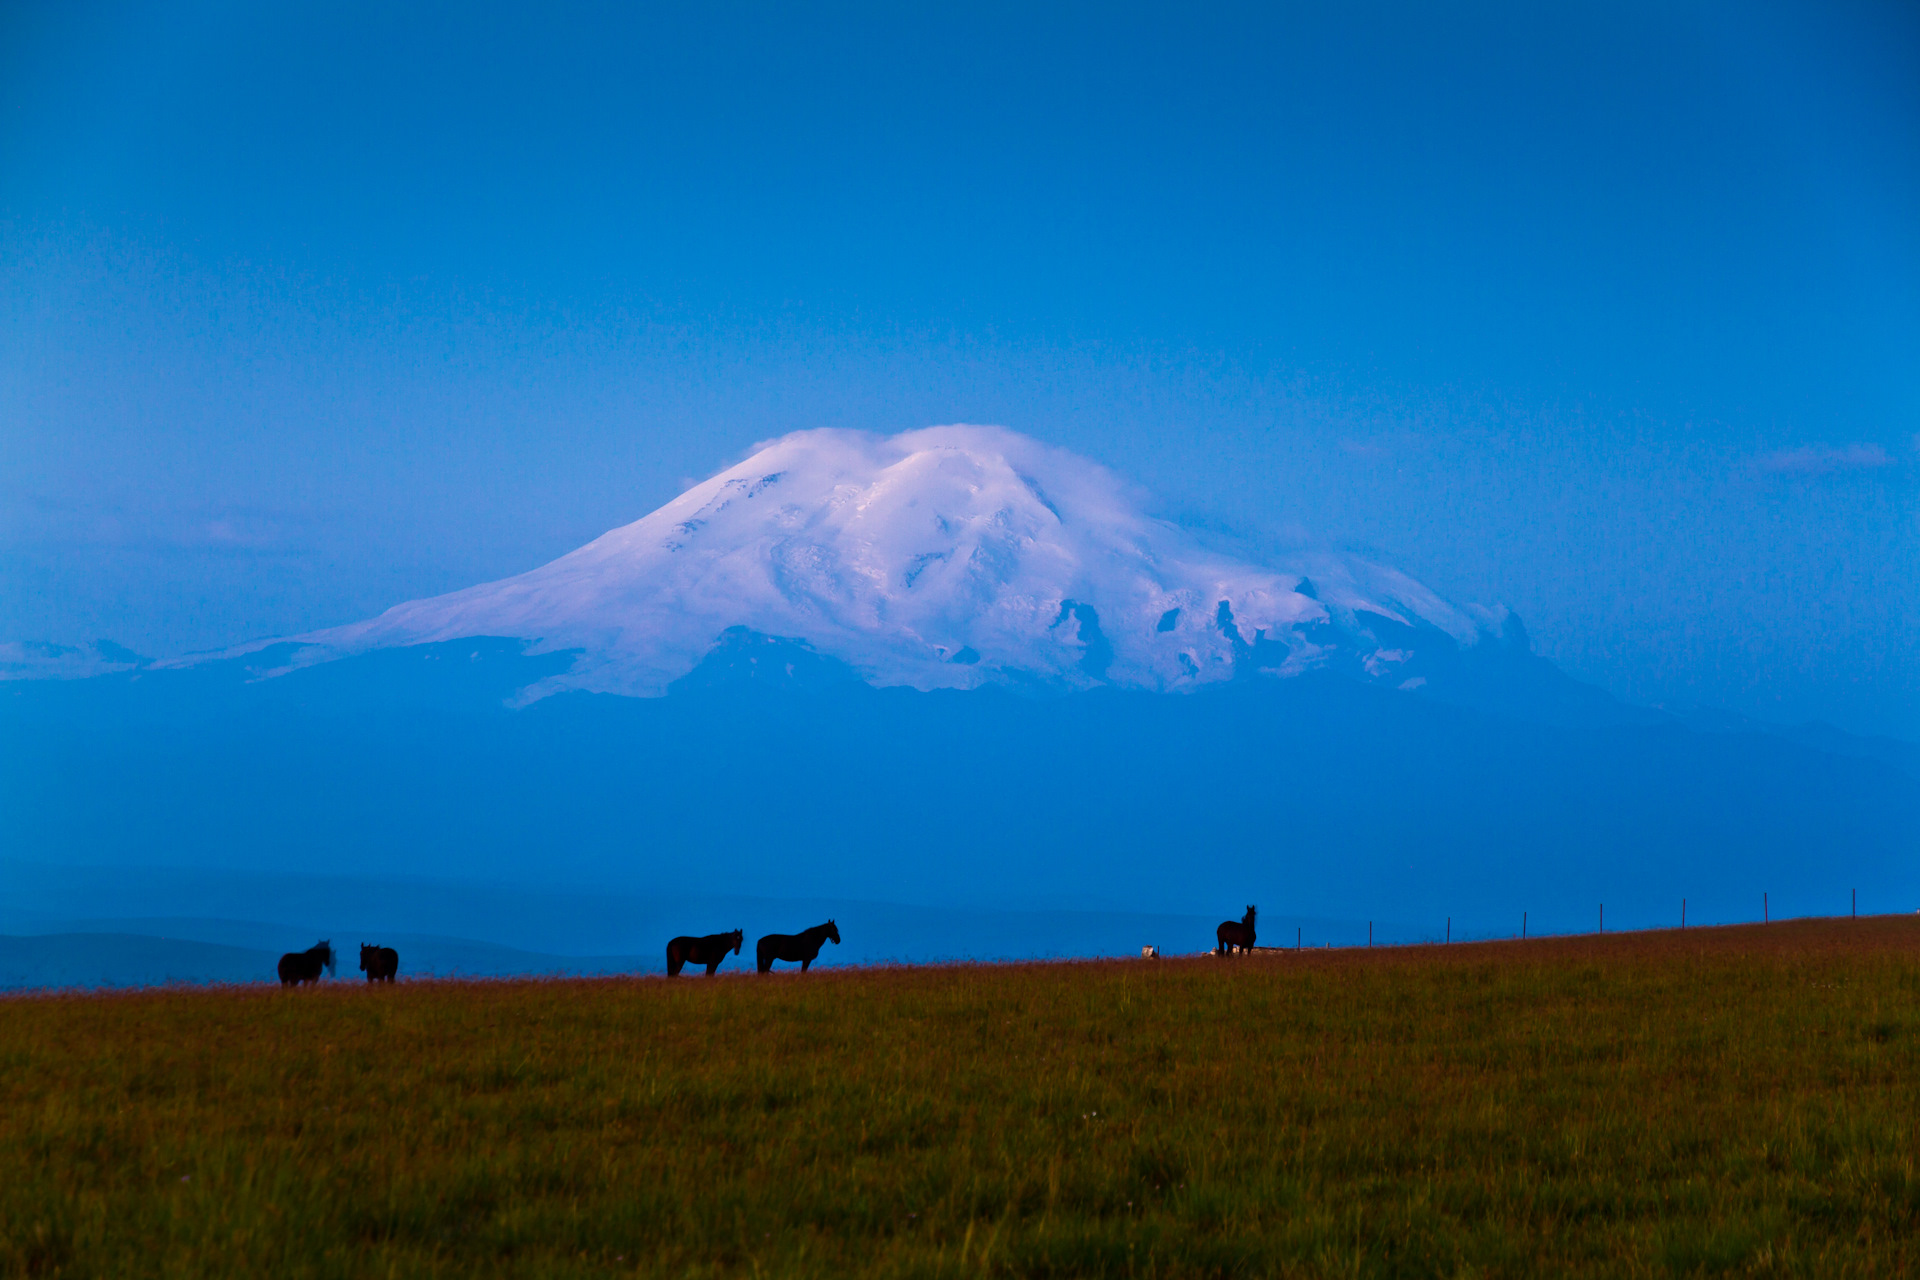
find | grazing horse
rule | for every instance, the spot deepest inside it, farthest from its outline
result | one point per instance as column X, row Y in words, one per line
column 802, row 946
column 709, row 951
column 1235, row 934
column 381, row 963
column 305, row 966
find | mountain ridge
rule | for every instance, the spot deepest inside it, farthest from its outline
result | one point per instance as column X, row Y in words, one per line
column 949, row 557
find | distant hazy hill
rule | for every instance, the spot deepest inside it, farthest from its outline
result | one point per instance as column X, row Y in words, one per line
column 124, row 944
column 124, row 960
column 1318, row 796
column 153, row 953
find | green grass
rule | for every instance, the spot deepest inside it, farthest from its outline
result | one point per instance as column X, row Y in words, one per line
column 1724, row 1101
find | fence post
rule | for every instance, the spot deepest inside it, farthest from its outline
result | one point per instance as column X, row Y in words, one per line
column 1369, row 933
column 1766, row 912
column 1449, row 928
column 1296, row 937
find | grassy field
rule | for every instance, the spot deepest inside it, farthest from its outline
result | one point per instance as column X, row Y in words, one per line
column 1740, row 1100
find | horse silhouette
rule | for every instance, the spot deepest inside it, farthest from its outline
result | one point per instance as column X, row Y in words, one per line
column 305, row 966
column 802, row 946
column 381, row 963
column 709, row 951
column 1235, row 934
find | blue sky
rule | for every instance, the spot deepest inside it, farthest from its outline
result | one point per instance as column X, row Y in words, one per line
column 1610, row 313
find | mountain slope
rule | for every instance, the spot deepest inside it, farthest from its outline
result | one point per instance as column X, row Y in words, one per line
column 1314, row 796
column 952, row 557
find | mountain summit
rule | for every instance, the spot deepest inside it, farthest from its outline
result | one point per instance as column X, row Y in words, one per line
column 951, row 557
column 956, row 557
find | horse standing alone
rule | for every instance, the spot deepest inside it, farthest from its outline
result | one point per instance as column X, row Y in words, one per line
column 1235, row 934
column 380, row 963
column 305, row 966
column 802, row 946
column 709, row 951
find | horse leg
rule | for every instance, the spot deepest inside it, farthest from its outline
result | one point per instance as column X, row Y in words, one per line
column 711, row 966
column 805, row 963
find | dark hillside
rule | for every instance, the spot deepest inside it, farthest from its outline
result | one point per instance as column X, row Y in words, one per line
column 1315, row 796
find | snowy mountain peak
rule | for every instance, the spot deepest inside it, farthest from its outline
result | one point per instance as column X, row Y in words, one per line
column 949, row 557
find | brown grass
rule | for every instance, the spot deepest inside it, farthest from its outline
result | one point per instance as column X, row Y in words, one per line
column 1736, row 1100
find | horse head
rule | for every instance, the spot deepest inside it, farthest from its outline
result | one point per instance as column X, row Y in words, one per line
column 833, row 931
column 326, row 953
column 1247, row 920
column 739, row 936
column 366, row 954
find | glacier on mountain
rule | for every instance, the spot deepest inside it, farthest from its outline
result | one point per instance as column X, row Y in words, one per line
column 950, row 557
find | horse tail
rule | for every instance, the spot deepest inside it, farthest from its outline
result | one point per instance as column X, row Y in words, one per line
column 675, row 960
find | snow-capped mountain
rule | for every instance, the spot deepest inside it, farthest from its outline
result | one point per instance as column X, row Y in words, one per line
column 419, row 742
column 949, row 557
